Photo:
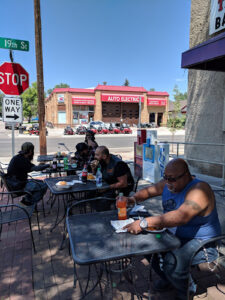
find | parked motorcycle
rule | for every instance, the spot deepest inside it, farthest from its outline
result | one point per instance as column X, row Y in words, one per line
column 81, row 130
column 68, row 131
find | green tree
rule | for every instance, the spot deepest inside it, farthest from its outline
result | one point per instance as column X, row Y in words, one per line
column 126, row 83
column 175, row 119
column 178, row 95
column 152, row 89
column 60, row 85
column 104, row 82
column 30, row 102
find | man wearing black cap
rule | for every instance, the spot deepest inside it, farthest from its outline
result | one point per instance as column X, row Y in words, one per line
column 18, row 169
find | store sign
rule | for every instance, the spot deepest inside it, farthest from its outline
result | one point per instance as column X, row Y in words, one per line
column 60, row 98
column 121, row 98
column 217, row 16
column 83, row 100
column 156, row 102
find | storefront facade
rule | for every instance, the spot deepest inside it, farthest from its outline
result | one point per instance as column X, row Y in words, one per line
column 68, row 106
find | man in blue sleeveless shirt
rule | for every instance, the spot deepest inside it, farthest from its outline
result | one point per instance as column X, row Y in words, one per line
column 190, row 213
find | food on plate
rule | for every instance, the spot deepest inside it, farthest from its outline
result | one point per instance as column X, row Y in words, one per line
column 90, row 176
column 62, row 183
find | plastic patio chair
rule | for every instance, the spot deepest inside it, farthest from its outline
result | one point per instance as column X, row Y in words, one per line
column 13, row 212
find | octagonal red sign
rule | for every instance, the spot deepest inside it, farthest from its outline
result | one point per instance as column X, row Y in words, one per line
column 14, row 79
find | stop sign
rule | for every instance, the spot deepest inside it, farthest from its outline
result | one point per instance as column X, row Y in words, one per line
column 14, row 79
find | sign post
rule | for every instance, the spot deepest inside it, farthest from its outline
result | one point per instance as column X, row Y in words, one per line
column 12, row 109
column 139, row 117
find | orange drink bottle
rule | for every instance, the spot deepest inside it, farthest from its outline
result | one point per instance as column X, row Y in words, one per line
column 122, row 207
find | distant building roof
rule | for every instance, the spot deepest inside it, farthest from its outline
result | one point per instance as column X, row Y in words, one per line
column 120, row 88
column 183, row 106
column 73, row 90
column 154, row 93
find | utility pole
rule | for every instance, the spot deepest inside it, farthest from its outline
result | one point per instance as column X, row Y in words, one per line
column 40, row 78
column 139, row 117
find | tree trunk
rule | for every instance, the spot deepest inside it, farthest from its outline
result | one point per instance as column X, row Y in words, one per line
column 40, row 78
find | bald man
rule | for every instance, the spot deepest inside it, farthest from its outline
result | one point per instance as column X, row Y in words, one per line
column 190, row 213
column 115, row 172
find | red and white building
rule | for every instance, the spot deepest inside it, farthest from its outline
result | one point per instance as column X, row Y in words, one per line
column 74, row 106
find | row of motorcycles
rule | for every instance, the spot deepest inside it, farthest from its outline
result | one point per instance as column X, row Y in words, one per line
column 114, row 128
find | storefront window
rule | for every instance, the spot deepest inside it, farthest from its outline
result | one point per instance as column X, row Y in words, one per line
column 61, row 117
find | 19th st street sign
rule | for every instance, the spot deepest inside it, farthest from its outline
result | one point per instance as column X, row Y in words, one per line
column 12, row 44
column 12, row 109
column 14, row 79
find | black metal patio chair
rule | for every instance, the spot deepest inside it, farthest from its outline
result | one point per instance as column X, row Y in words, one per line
column 13, row 212
column 202, row 246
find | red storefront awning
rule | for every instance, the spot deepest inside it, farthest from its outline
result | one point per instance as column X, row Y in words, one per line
column 156, row 102
column 83, row 100
column 121, row 98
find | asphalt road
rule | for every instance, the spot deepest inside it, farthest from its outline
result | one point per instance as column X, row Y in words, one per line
column 113, row 142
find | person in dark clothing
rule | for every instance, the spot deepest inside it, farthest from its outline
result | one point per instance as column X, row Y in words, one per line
column 115, row 172
column 83, row 155
column 90, row 140
column 17, row 175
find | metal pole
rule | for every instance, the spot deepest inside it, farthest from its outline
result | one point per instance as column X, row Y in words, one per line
column 139, row 117
column 13, row 140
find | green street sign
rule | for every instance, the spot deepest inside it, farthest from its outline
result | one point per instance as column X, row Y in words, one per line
column 14, row 44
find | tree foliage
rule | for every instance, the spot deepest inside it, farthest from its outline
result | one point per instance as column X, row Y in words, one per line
column 126, row 82
column 60, row 85
column 30, row 102
column 152, row 89
column 104, row 82
column 178, row 95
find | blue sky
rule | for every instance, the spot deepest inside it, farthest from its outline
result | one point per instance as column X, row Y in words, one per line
column 86, row 42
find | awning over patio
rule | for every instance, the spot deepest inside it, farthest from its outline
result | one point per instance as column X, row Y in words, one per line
column 209, row 55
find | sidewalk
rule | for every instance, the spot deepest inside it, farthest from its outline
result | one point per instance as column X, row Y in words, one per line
column 49, row 273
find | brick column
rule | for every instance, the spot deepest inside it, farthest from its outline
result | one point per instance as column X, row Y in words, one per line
column 144, row 110
column 98, row 107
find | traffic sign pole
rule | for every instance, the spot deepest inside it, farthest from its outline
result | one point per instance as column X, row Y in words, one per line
column 13, row 140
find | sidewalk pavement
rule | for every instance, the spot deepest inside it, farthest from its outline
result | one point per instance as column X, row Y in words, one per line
column 49, row 273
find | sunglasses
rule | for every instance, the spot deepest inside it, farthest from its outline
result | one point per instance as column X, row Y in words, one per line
column 173, row 179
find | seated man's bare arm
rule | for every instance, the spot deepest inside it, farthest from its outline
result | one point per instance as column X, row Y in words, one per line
column 196, row 203
column 122, row 182
column 151, row 191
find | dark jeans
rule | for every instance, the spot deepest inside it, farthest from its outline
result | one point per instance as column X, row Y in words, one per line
column 175, row 265
column 37, row 188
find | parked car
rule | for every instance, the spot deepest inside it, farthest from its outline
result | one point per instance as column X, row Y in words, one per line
column 95, row 124
column 68, row 131
column 8, row 125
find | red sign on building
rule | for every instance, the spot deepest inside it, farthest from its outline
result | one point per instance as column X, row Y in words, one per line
column 121, row 98
column 156, row 102
column 83, row 100
column 14, row 79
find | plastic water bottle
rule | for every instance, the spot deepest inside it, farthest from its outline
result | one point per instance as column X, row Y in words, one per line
column 98, row 177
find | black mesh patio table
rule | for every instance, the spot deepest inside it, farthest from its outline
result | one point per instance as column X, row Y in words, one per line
column 76, row 188
column 93, row 239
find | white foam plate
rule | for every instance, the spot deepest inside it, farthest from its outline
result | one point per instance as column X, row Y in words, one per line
column 155, row 231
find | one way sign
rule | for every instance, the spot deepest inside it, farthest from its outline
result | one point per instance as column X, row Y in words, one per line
column 12, row 109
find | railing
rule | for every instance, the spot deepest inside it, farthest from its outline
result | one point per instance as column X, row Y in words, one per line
column 180, row 153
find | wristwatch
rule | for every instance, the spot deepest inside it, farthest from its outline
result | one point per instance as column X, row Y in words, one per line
column 143, row 223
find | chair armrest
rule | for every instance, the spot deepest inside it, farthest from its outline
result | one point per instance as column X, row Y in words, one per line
column 17, row 206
